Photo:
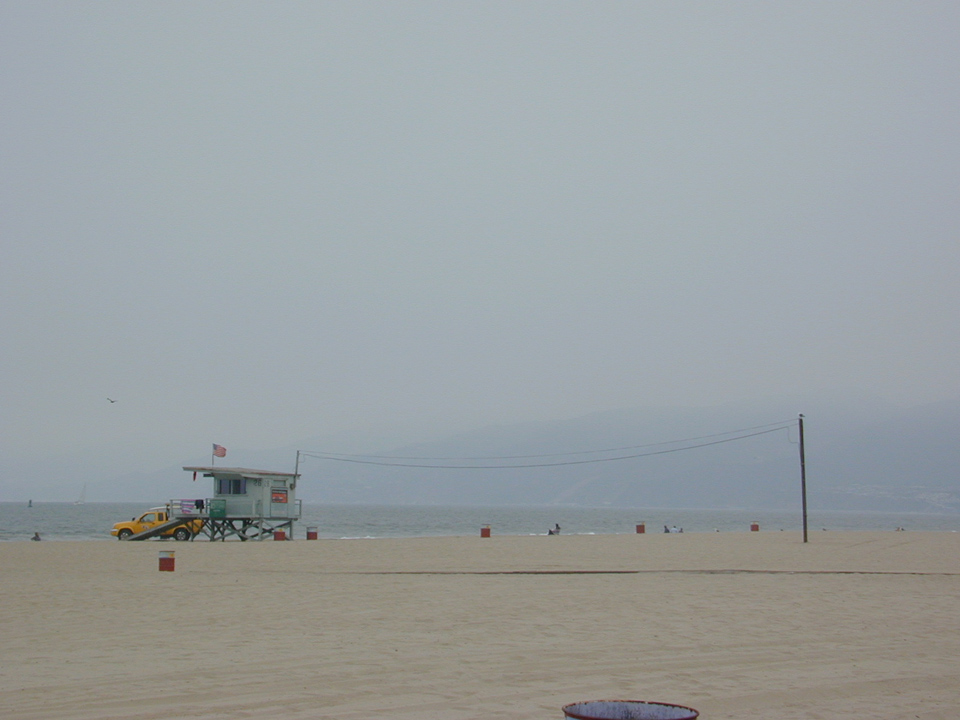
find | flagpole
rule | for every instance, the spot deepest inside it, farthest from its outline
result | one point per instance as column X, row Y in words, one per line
column 213, row 455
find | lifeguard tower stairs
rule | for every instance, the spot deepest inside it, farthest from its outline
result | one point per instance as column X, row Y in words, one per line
column 246, row 504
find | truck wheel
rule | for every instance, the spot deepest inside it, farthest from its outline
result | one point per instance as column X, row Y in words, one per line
column 181, row 534
column 124, row 534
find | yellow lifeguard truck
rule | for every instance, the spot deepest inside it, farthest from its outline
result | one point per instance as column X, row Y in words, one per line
column 156, row 522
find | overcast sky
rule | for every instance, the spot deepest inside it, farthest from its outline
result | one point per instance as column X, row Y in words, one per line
column 251, row 223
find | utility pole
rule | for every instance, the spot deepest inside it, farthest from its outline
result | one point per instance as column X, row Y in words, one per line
column 803, row 479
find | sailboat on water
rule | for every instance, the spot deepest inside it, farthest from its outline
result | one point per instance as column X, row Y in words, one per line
column 83, row 496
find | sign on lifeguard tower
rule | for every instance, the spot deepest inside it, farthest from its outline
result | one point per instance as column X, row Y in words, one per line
column 250, row 504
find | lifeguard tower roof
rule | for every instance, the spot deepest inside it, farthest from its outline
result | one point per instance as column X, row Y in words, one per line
column 214, row 471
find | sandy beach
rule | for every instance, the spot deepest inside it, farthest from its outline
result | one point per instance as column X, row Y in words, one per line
column 737, row 625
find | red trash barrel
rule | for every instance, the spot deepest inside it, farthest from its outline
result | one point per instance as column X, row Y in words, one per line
column 485, row 531
column 279, row 535
column 755, row 527
column 641, row 528
column 311, row 533
column 166, row 561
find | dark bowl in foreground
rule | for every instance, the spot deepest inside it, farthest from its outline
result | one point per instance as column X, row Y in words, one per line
column 628, row 710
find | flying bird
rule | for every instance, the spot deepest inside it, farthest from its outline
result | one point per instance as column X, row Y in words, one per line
column 113, row 401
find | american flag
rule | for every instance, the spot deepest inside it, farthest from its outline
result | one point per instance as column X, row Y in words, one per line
column 219, row 450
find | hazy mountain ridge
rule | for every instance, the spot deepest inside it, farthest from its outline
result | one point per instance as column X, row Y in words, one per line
column 868, row 456
column 860, row 456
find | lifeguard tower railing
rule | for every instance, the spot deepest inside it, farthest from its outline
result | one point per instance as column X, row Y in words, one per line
column 245, row 521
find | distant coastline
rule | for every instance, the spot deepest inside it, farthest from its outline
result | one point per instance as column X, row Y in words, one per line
column 92, row 521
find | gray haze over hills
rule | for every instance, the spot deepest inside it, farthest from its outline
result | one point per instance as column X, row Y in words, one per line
column 895, row 461
column 480, row 228
column 867, row 457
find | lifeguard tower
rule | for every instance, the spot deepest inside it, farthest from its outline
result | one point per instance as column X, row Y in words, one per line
column 248, row 504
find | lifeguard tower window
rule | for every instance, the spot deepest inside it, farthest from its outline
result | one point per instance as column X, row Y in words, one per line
column 231, row 486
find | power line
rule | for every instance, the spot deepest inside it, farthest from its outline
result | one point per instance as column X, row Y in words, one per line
column 345, row 456
column 360, row 461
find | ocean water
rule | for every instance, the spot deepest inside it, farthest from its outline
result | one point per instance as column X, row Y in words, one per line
column 92, row 521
